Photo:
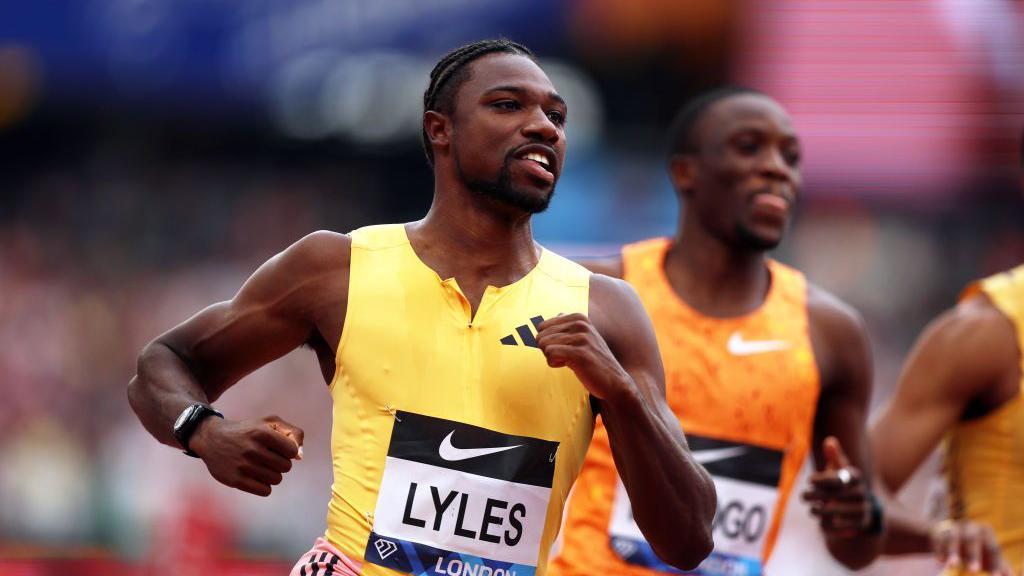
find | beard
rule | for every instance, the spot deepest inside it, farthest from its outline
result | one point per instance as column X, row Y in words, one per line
column 750, row 240
column 502, row 190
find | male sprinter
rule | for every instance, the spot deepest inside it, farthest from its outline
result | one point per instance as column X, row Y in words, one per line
column 760, row 365
column 962, row 383
column 463, row 360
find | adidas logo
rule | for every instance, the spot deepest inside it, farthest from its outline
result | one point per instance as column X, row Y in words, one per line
column 526, row 335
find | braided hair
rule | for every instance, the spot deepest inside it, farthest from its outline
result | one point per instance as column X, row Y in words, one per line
column 451, row 72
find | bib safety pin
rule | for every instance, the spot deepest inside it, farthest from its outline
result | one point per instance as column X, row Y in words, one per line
column 391, row 410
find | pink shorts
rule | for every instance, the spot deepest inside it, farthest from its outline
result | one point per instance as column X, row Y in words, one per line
column 325, row 560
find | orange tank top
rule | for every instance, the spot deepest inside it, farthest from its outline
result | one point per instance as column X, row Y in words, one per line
column 745, row 390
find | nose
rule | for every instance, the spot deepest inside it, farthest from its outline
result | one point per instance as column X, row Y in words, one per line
column 773, row 164
column 540, row 127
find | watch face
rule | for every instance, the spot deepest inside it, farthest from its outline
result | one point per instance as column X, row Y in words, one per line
column 185, row 414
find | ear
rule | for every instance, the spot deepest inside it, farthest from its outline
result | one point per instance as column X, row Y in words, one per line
column 682, row 170
column 438, row 128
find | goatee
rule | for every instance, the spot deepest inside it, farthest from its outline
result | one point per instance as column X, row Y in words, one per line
column 751, row 241
column 505, row 192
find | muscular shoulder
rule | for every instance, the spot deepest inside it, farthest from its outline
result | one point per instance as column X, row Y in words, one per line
column 319, row 252
column 608, row 292
column 619, row 317
column 974, row 341
column 977, row 321
column 839, row 339
column 301, row 274
column 611, row 266
column 831, row 319
column 615, row 307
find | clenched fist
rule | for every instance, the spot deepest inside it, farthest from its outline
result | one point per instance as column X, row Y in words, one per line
column 251, row 455
column 572, row 340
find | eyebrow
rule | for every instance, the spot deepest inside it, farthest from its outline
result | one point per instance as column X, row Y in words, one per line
column 520, row 90
column 761, row 128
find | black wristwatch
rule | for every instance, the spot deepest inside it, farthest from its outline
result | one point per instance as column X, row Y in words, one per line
column 876, row 524
column 187, row 422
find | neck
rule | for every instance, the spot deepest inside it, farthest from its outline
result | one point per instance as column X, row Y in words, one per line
column 474, row 239
column 714, row 277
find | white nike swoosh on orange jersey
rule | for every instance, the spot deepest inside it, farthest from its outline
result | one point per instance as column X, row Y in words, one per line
column 453, row 454
column 737, row 346
column 716, row 454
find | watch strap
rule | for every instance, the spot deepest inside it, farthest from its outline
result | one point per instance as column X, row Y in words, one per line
column 198, row 413
column 876, row 523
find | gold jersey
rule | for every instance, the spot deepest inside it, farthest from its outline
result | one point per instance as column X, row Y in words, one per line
column 454, row 444
column 985, row 457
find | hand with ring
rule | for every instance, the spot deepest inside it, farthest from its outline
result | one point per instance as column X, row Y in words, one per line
column 838, row 495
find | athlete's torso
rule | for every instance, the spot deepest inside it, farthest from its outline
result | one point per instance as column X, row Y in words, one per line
column 454, row 444
column 985, row 456
column 745, row 390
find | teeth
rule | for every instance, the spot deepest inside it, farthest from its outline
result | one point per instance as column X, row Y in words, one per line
column 536, row 157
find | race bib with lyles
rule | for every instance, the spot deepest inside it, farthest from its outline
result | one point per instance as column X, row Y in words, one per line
column 746, row 479
column 460, row 499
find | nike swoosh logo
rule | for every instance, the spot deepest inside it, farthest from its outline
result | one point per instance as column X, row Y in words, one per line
column 714, row 455
column 453, row 454
column 737, row 346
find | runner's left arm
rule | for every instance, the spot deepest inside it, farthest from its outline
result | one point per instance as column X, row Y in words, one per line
column 615, row 355
column 840, row 491
column 964, row 353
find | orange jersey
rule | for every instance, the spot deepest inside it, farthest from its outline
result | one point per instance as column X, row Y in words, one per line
column 745, row 390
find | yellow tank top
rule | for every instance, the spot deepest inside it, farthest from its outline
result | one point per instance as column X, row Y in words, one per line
column 745, row 390
column 454, row 443
column 985, row 457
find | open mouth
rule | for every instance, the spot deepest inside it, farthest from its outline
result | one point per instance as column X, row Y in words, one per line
column 771, row 204
column 539, row 159
column 538, row 155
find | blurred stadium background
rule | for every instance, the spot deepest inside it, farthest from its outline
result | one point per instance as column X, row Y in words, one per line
column 154, row 152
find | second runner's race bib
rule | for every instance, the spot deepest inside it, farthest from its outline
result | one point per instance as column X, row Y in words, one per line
column 746, row 478
column 461, row 499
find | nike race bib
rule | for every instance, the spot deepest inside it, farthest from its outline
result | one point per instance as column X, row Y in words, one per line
column 746, row 479
column 459, row 499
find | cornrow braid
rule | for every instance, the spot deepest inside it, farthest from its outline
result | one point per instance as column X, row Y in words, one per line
column 451, row 72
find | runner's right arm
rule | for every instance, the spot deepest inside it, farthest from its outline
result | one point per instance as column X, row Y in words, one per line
column 841, row 493
column 963, row 354
column 295, row 298
column 614, row 353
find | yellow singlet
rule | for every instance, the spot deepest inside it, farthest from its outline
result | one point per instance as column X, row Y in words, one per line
column 454, row 443
column 985, row 457
column 745, row 390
